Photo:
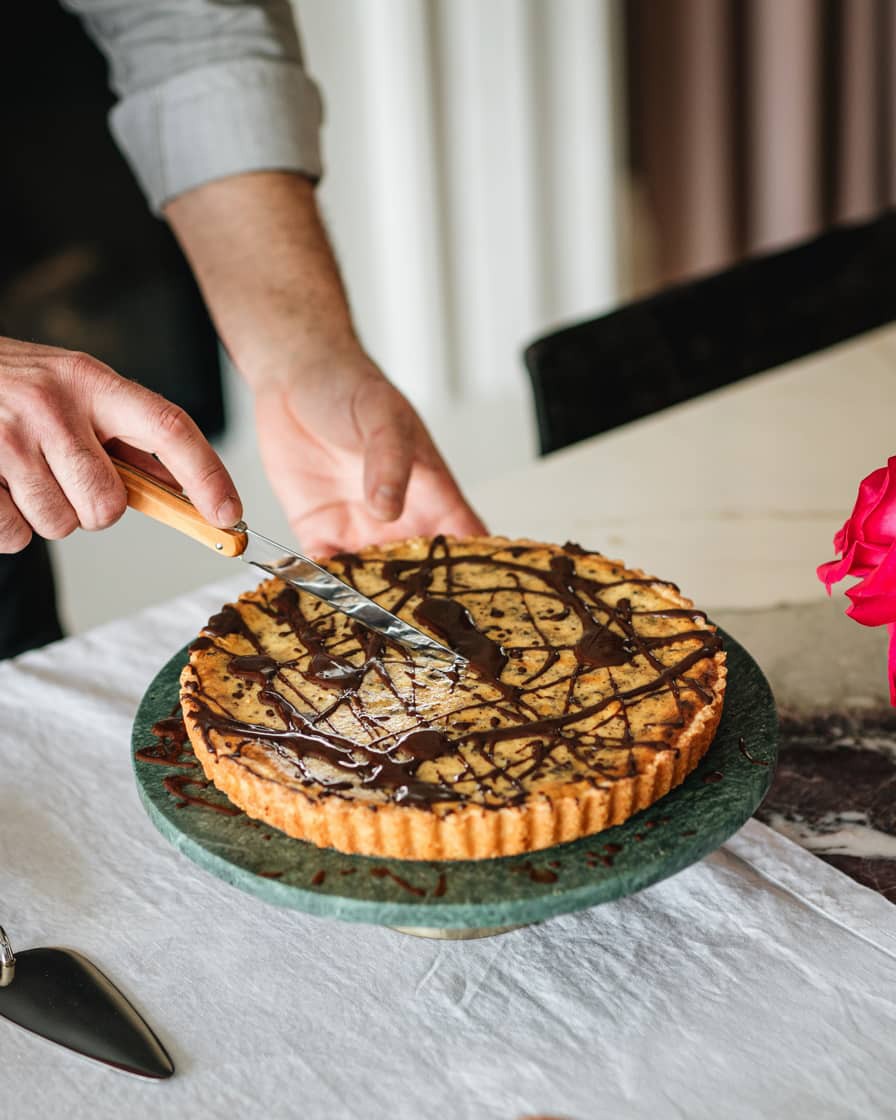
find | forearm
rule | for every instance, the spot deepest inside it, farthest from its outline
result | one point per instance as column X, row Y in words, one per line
column 262, row 258
column 342, row 447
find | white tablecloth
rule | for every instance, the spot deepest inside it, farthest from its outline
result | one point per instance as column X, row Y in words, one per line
column 758, row 983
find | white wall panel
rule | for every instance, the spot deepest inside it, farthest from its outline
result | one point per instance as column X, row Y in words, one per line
column 471, row 182
column 400, row 187
column 491, row 174
column 578, row 143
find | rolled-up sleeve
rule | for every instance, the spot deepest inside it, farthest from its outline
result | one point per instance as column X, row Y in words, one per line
column 207, row 88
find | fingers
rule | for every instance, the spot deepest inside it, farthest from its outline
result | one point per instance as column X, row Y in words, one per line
column 395, row 441
column 439, row 491
column 56, row 410
column 15, row 532
column 388, row 428
column 87, row 478
column 438, row 503
column 328, row 529
column 463, row 522
column 39, row 499
column 150, row 423
column 142, row 460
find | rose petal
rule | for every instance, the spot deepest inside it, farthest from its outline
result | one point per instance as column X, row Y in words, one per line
column 879, row 524
column 867, row 544
column 841, row 538
column 872, row 489
column 835, row 570
column 873, row 611
column 868, row 556
column 874, row 598
column 875, row 508
column 881, row 580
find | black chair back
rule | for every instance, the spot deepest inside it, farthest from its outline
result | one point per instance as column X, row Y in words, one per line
column 700, row 336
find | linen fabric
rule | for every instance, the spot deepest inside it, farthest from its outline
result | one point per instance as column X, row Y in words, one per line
column 758, row 982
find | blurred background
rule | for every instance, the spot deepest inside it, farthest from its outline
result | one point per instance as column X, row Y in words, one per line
column 493, row 170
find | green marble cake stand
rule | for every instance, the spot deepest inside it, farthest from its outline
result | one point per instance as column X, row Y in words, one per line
column 475, row 898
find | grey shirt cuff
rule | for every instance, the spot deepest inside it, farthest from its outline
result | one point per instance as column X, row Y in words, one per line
column 218, row 120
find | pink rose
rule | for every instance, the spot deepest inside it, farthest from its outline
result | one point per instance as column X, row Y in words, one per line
column 867, row 544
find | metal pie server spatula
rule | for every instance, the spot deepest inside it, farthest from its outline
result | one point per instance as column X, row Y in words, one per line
column 159, row 501
column 61, row 996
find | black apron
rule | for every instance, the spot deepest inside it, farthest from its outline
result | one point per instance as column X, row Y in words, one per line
column 83, row 263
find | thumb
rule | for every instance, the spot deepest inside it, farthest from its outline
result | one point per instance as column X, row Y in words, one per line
column 388, row 428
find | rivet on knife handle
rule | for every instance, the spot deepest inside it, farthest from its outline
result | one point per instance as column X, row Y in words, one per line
column 7, row 961
column 147, row 495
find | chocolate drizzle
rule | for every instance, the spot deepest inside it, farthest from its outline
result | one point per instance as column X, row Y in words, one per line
column 334, row 672
column 423, row 753
column 257, row 668
column 742, row 747
column 172, row 748
column 452, row 622
column 599, row 648
column 171, row 741
column 179, row 784
column 536, row 874
column 385, row 873
column 229, row 621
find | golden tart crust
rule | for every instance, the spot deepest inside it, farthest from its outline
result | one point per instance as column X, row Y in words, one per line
column 592, row 690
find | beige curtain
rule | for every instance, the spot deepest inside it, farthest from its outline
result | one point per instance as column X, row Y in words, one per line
column 757, row 123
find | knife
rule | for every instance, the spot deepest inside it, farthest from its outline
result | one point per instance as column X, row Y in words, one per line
column 150, row 496
column 63, row 997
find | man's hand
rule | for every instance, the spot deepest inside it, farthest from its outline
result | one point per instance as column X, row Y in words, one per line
column 344, row 450
column 58, row 410
column 345, row 453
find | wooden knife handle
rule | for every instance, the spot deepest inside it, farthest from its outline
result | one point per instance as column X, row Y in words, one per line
column 147, row 495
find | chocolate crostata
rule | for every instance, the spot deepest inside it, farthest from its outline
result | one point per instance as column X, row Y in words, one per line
column 590, row 691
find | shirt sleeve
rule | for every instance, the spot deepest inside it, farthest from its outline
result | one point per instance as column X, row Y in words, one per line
column 207, row 89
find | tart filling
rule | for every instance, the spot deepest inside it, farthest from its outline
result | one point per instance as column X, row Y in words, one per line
column 589, row 691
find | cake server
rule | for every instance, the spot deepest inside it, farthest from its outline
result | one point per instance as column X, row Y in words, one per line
column 63, row 997
column 154, row 498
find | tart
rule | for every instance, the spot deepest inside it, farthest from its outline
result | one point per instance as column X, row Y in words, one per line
column 590, row 691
